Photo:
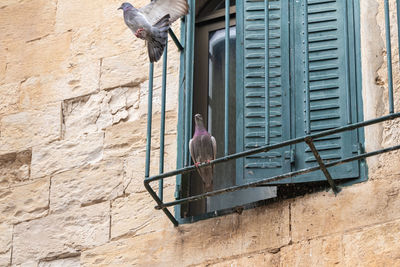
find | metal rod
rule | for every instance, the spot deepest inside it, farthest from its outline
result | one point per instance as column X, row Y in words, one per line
column 159, row 202
column 322, row 166
column 266, row 66
column 162, row 126
column 275, row 178
column 389, row 56
column 189, row 79
column 181, row 114
column 274, row 146
column 227, row 63
column 307, row 69
column 175, row 39
column 149, row 119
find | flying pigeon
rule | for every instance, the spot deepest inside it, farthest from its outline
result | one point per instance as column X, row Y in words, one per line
column 203, row 148
column 151, row 22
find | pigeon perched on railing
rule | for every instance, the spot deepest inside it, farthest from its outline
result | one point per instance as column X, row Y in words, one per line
column 203, row 148
column 151, row 22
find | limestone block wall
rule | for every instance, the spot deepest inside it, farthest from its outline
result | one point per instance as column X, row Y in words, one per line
column 73, row 103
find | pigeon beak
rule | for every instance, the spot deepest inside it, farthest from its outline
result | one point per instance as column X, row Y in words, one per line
column 119, row 8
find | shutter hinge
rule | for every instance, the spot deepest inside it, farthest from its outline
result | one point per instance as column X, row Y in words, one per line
column 289, row 155
column 358, row 149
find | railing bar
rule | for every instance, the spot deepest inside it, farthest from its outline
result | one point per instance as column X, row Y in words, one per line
column 162, row 126
column 266, row 86
column 271, row 147
column 159, row 202
column 149, row 120
column 306, row 68
column 322, row 166
column 191, row 60
column 175, row 39
column 180, row 134
column 275, row 178
column 189, row 80
column 227, row 63
column 389, row 56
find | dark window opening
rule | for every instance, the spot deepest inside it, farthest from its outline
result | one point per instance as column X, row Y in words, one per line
column 209, row 90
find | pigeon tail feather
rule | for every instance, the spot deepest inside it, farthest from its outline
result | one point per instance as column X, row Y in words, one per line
column 206, row 174
column 156, row 45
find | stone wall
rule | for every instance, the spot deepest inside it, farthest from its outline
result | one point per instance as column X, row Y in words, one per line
column 73, row 104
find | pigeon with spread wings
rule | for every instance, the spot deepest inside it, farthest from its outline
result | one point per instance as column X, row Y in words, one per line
column 151, row 22
column 203, row 148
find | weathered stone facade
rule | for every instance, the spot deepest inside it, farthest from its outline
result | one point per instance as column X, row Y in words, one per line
column 73, row 104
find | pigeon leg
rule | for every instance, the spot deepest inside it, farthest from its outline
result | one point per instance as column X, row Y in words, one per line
column 138, row 33
column 197, row 164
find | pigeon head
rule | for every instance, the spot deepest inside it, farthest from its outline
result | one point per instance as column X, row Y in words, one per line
column 198, row 120
column 125, row 6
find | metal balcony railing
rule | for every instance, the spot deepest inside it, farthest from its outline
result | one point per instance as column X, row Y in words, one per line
column 186, row 85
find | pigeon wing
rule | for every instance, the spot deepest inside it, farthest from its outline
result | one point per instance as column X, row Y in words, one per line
column 191, row 150
column 159, row 8
column 214, row 145
column 131, row 20
column 207, row 154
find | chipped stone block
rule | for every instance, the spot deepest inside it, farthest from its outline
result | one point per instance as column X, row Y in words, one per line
column 327, row 251
column 61, row 234
column 5, row 237
column 93, row 113
column 356, row 206
column 86, row 185
column 9, row 97
column 14, row 168
column 41, row 14
column 67, row 262
column 373, row 246
column 24, row 202
column 30, row 128
column 66, row 154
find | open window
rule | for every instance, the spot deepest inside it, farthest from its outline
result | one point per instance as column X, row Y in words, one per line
column 284, row 82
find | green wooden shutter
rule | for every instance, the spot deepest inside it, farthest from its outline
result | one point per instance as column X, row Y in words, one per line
column 256, row 122
column 330, row 80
